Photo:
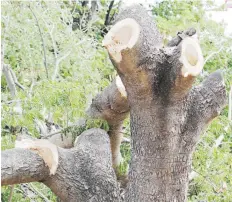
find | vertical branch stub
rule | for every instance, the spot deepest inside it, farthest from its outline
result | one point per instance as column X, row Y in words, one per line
column 121, row 36
column 191, row 57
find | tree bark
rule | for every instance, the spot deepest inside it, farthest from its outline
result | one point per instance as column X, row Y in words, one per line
column 167, row 116
column 21, row 165
column 112, row 106
column 84, row 173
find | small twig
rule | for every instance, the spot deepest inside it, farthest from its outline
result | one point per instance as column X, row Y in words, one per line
column 11, row 193
column 11, row 101
column 218, row 141
column 206, row 179
column 58, row 60
column 20, row 85
column 31, row 89
column 15, row 79
column 39, row 193
column 53, row 41
column 230, row 104
column 41, row 127
column 63, row 57
column 55, row 133
column 57, row 65
column 42, row 39
column 212, row 54
column 108, row 13
column 9, row 79
column 125, row 140
column 74, row 8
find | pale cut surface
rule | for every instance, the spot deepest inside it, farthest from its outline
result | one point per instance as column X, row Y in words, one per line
column 191, row 57
column 120, row 86
column 45, row 149
column 122, row 35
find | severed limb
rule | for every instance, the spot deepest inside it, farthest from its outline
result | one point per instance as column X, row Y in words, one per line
column 112, row 106
column 207, row 99
column 83, row 173
column 191, row 32
column 44, row 148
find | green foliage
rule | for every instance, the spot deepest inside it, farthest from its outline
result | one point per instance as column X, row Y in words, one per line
column 83, row 73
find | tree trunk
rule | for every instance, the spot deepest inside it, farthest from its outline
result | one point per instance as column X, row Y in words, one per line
column 167, row 116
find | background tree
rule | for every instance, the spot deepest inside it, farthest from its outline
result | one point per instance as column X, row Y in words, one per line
column 77, row 73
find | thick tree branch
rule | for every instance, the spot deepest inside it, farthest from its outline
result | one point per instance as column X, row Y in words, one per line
column 112, row 106
column 167, row 117
column 83, row 174
column 207, row 99
column 134, row 45
column 21, row 165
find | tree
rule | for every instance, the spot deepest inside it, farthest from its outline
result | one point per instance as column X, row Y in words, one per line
column 167, row 116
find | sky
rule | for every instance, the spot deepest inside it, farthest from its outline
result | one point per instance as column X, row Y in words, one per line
column 218, row 16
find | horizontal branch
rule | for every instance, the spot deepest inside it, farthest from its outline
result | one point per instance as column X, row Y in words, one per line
column 85, row 171
column 21, row 166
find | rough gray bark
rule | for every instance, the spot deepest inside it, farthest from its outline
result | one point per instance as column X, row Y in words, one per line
column 84, row 173
column 20, row 166
column 167, row 116
column 113, row 107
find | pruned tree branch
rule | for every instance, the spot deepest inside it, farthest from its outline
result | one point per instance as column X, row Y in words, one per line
column 207, row 99
column 89, row 163
column 112, row 106
column 20, row 166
